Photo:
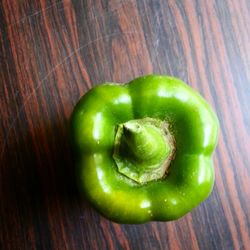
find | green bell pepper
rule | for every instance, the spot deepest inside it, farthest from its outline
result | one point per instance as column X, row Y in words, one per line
column 144, row 148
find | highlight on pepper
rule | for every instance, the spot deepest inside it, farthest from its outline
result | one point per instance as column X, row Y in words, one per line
column 144, row 149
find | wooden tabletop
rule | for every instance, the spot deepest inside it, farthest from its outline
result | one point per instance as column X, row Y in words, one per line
column 52, row 52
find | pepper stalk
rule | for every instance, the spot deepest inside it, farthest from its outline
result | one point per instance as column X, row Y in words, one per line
column 144, row 149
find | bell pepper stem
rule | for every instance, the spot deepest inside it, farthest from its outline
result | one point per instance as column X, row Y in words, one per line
column 143, row 149
column 145, row 143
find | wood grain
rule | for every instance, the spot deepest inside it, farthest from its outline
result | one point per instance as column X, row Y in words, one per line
column 52, row 52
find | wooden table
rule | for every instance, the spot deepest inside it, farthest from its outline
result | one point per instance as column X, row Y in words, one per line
column 52, row 52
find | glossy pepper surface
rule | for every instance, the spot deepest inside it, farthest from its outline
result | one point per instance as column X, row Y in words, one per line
column 144, row 148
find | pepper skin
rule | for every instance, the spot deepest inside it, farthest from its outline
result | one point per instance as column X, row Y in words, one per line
column 133, row 193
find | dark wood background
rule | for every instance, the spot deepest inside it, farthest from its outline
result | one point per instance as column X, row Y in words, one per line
column 52, row 52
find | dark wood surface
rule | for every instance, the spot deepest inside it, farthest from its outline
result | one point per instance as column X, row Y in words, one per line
column 52, row 52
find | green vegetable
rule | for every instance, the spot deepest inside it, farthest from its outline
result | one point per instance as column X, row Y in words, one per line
column 143, row 149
